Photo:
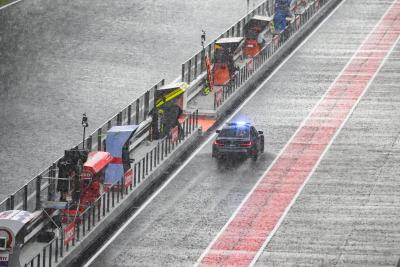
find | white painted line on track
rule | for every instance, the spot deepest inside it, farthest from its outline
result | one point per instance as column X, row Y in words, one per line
column 147, row 202
column 10, row 4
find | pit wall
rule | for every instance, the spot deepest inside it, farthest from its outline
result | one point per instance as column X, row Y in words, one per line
column 109, row 210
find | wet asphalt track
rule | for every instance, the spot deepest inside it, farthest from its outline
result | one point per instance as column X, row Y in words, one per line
column 61, row 58
column 346, row 214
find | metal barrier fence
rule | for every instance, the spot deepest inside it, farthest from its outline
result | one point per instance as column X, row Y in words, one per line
column 195, row 66
column 245, row 72
column 87, row 220
column 28, row 197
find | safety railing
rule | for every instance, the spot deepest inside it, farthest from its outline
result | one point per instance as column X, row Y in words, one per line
column 70, row 234
column 246, row 71
column 28, row 197
column 195, row 66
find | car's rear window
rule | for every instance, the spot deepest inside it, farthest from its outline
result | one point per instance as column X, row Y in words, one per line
column 238, row 132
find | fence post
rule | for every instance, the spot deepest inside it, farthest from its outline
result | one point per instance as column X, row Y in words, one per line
column 189, row 71
column 99, row 209
column 147, row 163
column 158, row 152
column 62, row 243
column 112, row 197
column 119, row 118
column 10, row 202
column 44, row 256
column 51, row 190
column 38, row 187
column 129, row 114
column 151, row 160
column 94, row 215
column 99, row 139
column 134, row 174
column 122, row 187
column 89, row 143
column 183, row 72
column 78, row 232
column 25, row 203
column 137, row 111
column 139, row 170
column 108, row 200
column 104, row 204
column 194, row 120
column 146, row 103
column 84, row 224
column 50, row 253
column 144, row 167
column 197, row 118
column 88, row 211
column 162, row 150
column 195, row 66
column 202, row 63
column 56, row 252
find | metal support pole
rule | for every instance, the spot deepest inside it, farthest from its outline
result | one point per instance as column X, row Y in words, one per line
column 144, row 167
column 151, row 160
column 25, row 203
column 56, row 252
column 118, row 191
column 122, row 187
column 129, row 114
column 147, row 163
column 89, row 211
column 108, row 200
column 104, row 204
column 50, row 253
column 44, row 256
column 112, row 197
column 38, row 191
column 134, row 174
column 139, row 170
column 99, row 139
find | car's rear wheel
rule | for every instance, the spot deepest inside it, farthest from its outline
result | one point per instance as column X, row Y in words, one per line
column 262, row 144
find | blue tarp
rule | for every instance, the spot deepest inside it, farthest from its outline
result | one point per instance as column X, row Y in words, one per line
column 117, row 137
column 282, row 10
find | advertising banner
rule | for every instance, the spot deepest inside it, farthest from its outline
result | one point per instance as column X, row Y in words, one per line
column 69, row 233
column 128, row 177
column 174, row 134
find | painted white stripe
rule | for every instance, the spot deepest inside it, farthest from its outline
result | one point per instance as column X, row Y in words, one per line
column 10, row 4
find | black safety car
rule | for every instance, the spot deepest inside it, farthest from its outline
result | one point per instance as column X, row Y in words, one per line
column 238, row 138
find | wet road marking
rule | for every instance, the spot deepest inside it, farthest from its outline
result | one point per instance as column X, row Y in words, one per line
column 245, row 236
column 10, row 4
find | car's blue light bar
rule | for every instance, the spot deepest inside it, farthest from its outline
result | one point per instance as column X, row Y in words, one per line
column 239, row 123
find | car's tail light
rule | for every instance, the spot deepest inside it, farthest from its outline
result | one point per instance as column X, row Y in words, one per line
column 247, row 144
column 218, row 143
